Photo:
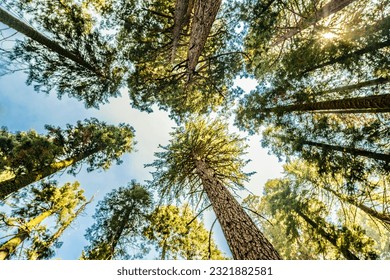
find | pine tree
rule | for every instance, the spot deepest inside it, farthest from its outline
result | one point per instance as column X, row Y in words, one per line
column 119, row 220
column 203, row 160
column 47, row 201
column 30, row 157
column 180, row 235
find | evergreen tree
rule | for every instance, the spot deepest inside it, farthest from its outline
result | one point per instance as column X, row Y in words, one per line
column 180, row 235
column 73, row 58
column 119, row 220
column 29, row 157
column 46, row 201
column 201, row 160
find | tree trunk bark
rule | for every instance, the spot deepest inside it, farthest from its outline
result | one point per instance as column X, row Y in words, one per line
column 374, row 102
column 328, row 9
column 352, row 151
column 9, row 247
column 31, row 33
column 203, row 19
column 182, row 15
column 245, row 240
column 330, row 237
column 18, row 182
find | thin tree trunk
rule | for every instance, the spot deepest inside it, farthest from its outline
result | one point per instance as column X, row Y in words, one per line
column 245, row 240
column 203, row 19
column 380, row 102
column 349, row 88
column 20, row 181
column 330, row 237
column 328, row 9
column 369, row 48
column 352, row 151
column 36, row 255
column 385, row 218
column 10, row 246
column 31, row 33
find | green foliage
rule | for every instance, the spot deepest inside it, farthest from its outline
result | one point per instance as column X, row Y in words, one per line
column 179, row 235
column 93, row 78
column 204, row 140
column 146, row 41
column 30, row 209
column 119, row 220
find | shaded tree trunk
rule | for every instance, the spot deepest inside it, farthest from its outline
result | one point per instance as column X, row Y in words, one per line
column 369, row 48
column 16, row 183
column 330, row 237
column 328, row 9
column 352, row 151
column 10, row 246
column 245, row 240
column 374, row 102
column 31, row 33
column 349, row 88
column 385, row 218
column 203, row 19
column 182, row 16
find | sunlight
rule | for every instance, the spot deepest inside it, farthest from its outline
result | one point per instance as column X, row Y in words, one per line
column 329, row 35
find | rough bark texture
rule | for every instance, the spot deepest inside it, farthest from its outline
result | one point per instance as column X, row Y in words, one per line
column 352, row 151
column 328, row 9
column 9, row 247
column 203, row 19
column 245, row 240
column 26, row 30
column 381, row 102
column 182, row 16
column 330, row 237
column 20, row 181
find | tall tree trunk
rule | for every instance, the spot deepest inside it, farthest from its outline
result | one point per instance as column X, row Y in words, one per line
column 203, row 19
column 36, row 255
column 245, row 240
column 10, row 246
column 16, row 183
column 328, row 236
column 374, row 102
column 385, row 218
column 349, row 88
column 31, row 33
column 328, row 9
column 352, row 151
column 369, row 48
column 182, row 15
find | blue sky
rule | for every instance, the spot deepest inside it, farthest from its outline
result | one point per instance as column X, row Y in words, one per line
column 21, row 108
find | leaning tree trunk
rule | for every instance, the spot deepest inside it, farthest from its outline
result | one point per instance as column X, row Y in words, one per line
column 330, row 237
column 369, row 48
column 352, row 151
column 182, row 15
column 31, row 33
column 328, row 9
column 36, row 255
column 10, row 246
column 203, row 19
column 245, row 240
column 373, row 103
column 383, row 217
column 19, row 181
column 349, row 88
